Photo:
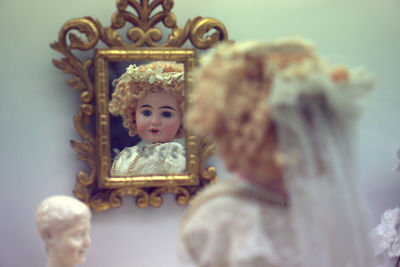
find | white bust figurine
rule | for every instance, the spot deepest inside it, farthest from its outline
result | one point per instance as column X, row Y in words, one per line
column 64, row 225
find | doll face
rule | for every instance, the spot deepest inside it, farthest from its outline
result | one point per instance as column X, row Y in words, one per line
column 71, row 245
column 158, row 117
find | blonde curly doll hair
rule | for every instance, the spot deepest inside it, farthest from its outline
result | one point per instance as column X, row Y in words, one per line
column 230, row 100
column 138, row 81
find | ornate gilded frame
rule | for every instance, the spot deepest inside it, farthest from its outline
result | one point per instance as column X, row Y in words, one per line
column 95, row 187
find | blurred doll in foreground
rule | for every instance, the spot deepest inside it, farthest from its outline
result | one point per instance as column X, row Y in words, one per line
column 150, row 100
column 64, row 225
column 282, row 120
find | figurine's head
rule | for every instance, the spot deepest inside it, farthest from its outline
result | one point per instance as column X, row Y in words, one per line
column 281, row 116
column 150, row 100
column 64, row 225
column 232, row 99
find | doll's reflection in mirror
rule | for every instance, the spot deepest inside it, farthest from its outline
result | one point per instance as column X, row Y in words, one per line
column 150, row 100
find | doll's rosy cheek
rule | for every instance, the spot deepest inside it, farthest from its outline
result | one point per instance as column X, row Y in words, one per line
column 170, row 129
column 142, row 126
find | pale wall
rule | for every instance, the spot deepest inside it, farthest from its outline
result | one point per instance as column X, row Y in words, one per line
column 36, row 109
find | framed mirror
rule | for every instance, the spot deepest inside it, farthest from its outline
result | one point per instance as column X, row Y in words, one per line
column 128, row 85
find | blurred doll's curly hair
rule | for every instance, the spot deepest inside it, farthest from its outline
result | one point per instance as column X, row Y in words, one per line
column 231, row 92
column 137, row 81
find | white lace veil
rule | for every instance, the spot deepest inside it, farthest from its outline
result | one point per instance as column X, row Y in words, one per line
column 316, row 119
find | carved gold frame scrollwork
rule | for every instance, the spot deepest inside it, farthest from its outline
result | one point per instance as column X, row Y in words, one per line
column 95, row 187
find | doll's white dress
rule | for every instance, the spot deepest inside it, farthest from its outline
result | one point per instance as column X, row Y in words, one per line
column 148, row 159
column 235, row 224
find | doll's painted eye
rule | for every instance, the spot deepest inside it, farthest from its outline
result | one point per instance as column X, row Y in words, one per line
column 166, row 114
column 146, row 113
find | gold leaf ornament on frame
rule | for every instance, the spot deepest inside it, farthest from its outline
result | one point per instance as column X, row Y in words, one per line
column 142, row 41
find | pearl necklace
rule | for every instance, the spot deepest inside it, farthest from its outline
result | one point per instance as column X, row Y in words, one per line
column 132, row 164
